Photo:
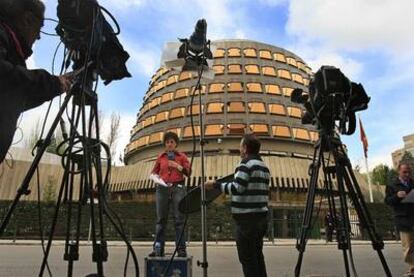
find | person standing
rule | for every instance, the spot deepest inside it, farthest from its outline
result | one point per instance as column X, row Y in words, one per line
column 171, row 166
column 249, row 205
column 403, row 212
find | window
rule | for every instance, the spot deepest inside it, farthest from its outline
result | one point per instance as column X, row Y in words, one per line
column 195, row 111
column 252, row 69
column 308, row 70
column 291, row 61
column 294, row 112
column 177, row 112
column 156, row 137
column 234, row 87
column 259, row 129
column 181, row 93
column 281, row 131
column 297, row 78
column 269, row 71
column 287, row 91
column 257, row 107
column 149, row 121
column 214, row 130
column 265, row 54
column 219, row 53
column 175, row 130
column 218, row 69
column 314, row 136
column 279, row 57
column 203, row 90
column 306, row 81
column 234, row 52
column 216, row 88
column 215, row 108
column 234, row 69
column 160, row 85
column 151, row 91
column 172, row 80
column 254, row 87
column 142, row 141
column 285, row 74
column 167, row 97
column 250, row 53
column 188, row 132
column 162, row 116
column 155, row 102
column 235, row 107
column 185, row 76
column 236, row 129
column 272, row 89
column 301, row 66
column 277, row 109
column 299, row 133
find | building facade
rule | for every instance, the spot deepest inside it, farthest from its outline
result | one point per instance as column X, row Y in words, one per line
column 408, row 147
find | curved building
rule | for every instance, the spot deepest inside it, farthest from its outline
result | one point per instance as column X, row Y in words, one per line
column 250, row 93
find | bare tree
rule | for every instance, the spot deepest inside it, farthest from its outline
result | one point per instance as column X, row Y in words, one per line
column 34, row 135
column 113, row 134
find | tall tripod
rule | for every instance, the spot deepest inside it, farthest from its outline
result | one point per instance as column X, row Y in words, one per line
column 347, row 187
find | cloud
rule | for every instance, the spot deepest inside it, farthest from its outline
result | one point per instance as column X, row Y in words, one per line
column 143, row 60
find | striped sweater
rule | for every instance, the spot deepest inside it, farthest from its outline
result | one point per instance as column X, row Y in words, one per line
column 250, row 188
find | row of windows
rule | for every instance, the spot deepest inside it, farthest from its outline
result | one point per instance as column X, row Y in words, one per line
column 234, row 87
column 251, row 69
column 281, row 131
column 218, row 107
column 235, row 52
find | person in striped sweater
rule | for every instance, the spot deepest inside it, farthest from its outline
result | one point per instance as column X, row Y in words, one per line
column 249, row 200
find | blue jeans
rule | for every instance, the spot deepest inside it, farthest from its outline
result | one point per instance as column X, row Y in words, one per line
column 249, row 240
column 166, row 198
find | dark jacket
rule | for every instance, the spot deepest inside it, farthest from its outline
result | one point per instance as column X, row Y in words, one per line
column 403, row 212
column 20, row 89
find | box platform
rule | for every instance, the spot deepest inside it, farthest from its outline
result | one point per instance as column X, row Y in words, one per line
column 180, row 267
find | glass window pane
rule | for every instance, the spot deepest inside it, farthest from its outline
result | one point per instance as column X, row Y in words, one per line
column 257, row 107
column 250, row 52
column 281, row 131
column 287, row 91
column 234, row 69
column 272, row 89
column 175, row 130
column 195, row 111
column 185, row 76
column 254, row 87
column 297, row 78
column 218, row 69
column 283, row 73
column 269, row 71
column 203, row 90
column 252, row 69
column 155, row 102
column 234, row 52
column 214, row 130
column 259, row 129
column 156, row 137
column 279, row 57
column 172, row 80
column 188, row 132
column 181, row 93
column 277, row 109
column 149, row 121
column 294, row 112
column 162, row 116
column 265, row 54
column 167, row 97
column 219, row 53
column 314, row 136
column 176, row 113
column 291, row 61
column 216, row 88
column 299, row 133
column 215, row 108
column 235, row 107
column 301, row 66
column 234, row 87
column 306, row 81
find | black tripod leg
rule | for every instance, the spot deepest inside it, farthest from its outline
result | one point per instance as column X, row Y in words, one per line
column 23, row 189
column 307, row 215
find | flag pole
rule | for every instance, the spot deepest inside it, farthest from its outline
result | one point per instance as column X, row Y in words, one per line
column 371, row 197
column 364, row 141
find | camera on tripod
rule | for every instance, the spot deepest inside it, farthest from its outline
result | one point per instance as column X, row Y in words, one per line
column 332, row 97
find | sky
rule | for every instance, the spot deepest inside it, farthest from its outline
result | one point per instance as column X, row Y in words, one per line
column 371, row 41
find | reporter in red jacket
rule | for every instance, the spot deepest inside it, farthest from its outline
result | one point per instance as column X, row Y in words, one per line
column 171, row 166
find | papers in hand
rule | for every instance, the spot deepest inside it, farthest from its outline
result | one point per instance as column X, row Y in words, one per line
column 409, row 198
column 157, row 179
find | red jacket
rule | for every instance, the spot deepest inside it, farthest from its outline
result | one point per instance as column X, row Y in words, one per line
column 171, row 174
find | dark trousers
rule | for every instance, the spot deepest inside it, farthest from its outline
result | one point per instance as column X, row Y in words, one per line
column 249, row 240
column 167, row 198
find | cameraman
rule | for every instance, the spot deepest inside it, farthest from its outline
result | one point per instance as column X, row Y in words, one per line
column 22, row 89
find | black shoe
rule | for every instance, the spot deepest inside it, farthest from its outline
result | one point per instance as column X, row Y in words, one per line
column 182, row 253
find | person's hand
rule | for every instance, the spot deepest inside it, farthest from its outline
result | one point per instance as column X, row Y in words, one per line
column 401, row 194
column 175, row 165
column 66, row 81
column 209, row 185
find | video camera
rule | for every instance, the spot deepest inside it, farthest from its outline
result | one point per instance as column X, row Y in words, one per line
column 84, row 31
column 332, row 97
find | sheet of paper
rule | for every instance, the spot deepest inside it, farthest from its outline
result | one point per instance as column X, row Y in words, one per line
column 409, row 198
column 158, row 180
